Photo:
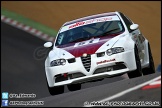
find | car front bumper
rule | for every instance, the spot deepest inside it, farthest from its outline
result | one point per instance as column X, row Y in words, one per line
column 100, row 67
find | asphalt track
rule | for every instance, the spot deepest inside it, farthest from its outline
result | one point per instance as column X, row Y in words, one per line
column 22, row 71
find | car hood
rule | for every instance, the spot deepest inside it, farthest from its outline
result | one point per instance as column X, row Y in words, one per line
column 90, row 46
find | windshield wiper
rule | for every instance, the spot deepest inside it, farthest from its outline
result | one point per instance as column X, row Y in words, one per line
column 107, row 32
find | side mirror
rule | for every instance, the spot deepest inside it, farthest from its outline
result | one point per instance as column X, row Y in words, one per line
column 48, row 44
column 134, row 26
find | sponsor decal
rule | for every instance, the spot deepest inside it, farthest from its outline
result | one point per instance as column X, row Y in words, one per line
column 90, row 21
column 76, row 25
column 105, row 61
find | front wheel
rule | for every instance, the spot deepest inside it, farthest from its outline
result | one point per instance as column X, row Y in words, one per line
column 55, row 90
column 138, row 71
column 150, row 69
column 73, row 87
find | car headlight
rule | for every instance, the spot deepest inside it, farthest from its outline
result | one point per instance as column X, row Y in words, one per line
column 114, row 50
column 58, row 62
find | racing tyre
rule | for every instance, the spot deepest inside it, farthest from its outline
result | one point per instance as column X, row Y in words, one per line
column 138, row 71
column 150, row 69
column 55, row 90
column 73, row 87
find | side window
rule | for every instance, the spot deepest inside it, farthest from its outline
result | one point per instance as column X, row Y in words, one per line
column 127, row 21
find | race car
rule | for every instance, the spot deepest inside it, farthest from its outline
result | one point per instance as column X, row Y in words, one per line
column 96, row 47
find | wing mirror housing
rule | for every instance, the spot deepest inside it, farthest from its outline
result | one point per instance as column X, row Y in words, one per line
column 48, row 45
column 134, row 26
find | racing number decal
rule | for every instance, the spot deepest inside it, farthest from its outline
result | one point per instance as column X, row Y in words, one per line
column 141, row 38
column 87, row 42
column 136, row 39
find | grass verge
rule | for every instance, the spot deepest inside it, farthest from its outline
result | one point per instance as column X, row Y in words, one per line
column 29, row 22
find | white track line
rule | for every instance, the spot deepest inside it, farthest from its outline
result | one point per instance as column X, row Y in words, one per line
column 155, row 83
column 126, row 91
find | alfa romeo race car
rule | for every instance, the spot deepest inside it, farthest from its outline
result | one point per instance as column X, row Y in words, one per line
column 95, row 47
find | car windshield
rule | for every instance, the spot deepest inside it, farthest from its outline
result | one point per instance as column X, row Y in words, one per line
column 93, row 28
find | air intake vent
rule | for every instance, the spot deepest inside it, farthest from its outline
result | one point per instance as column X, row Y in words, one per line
column 72, row 60
column 86, row 62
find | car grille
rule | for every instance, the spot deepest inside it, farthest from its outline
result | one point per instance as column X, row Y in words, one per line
column 86, row 62
column 76, row 75
column 106, row 69
column 60, row 77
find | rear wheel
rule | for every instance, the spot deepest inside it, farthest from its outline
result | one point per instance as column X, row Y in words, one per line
column 73, row 87
column 138, row 71
column 150, row 69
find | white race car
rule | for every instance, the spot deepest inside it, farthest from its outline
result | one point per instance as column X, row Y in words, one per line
column 95, row 47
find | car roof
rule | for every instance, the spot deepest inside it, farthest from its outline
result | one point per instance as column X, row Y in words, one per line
column 90, row 17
